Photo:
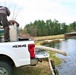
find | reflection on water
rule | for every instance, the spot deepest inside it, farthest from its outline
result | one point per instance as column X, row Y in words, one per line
column 68, row 67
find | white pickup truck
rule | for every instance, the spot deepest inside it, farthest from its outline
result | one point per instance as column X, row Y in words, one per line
column 18, row 53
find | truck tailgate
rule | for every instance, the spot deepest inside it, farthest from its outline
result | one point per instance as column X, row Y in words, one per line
column 41, row 53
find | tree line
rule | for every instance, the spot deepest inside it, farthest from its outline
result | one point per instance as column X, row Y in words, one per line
column 42, row 28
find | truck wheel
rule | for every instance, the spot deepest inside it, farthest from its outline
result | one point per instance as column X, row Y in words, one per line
column 5, row 68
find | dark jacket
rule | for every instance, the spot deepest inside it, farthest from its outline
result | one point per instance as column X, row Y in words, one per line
column 4, row 10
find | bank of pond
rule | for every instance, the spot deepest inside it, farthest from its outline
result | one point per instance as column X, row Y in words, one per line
column 66, row 65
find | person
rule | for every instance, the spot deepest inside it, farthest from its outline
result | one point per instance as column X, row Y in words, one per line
column 4, row 13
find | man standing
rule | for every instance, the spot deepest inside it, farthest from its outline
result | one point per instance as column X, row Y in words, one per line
column 4, row 12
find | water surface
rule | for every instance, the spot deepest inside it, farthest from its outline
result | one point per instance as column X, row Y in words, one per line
column 68, row 67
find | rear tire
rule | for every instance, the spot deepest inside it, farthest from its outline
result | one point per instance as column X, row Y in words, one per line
column 5, row 68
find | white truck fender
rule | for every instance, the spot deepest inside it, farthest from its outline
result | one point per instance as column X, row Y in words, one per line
column 10, row 53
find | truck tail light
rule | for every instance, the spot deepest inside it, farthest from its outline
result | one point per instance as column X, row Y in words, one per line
column 31, row 50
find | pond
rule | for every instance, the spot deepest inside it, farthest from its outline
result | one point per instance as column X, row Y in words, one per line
column 68, row 66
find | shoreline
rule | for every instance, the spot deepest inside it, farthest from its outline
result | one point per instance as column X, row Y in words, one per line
column 49, row 37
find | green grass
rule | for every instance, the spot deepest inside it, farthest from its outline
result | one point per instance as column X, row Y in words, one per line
column 56, row 59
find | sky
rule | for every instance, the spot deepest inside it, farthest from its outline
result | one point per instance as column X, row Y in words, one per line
column 26, row 11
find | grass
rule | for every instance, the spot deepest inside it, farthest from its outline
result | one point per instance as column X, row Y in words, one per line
column 40, row 69
column 49, row 37
column 57, row 61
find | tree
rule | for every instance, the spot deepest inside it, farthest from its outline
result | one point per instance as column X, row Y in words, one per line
column 73, row 26
column 41, row 28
